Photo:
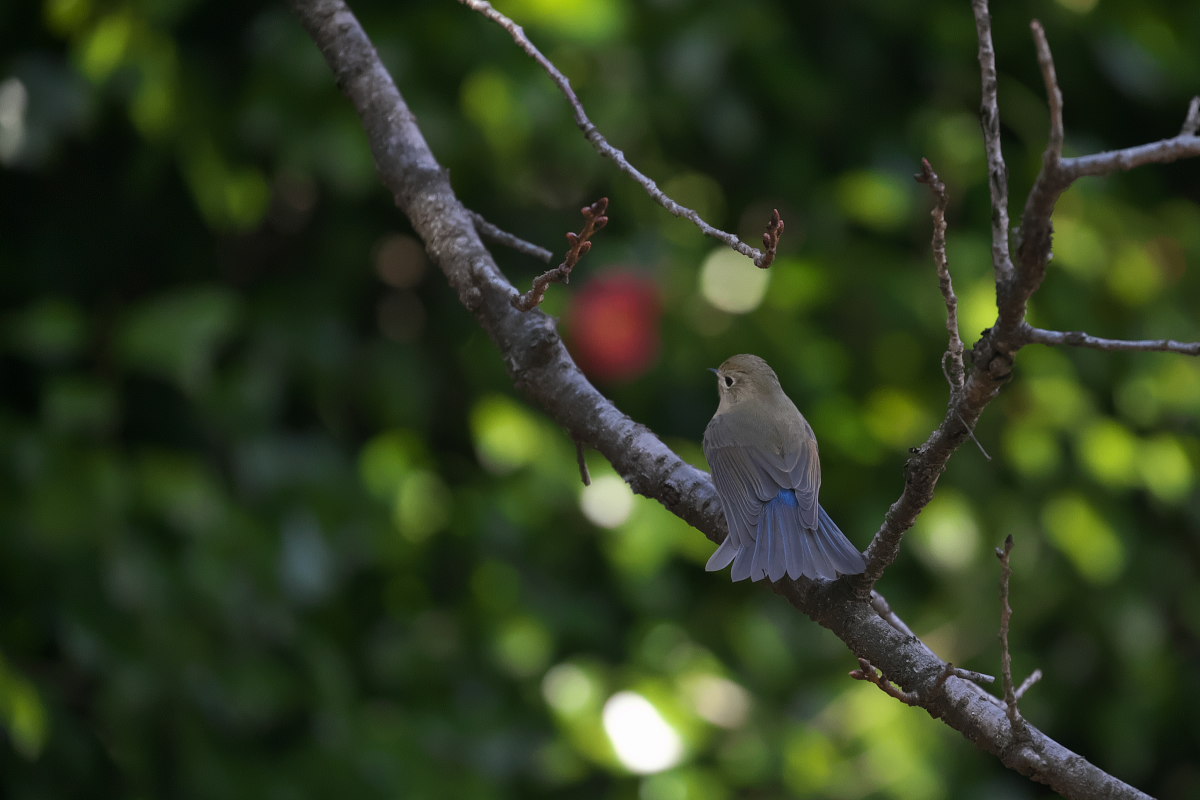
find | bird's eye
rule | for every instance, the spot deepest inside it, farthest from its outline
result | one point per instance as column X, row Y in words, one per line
column 728, row 381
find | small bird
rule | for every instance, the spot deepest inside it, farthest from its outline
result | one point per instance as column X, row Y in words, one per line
column 767, row 473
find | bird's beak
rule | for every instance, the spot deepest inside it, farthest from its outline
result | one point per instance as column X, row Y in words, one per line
column 714, row 370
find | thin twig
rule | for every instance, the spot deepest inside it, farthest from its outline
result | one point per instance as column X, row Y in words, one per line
column 1191, row 123
column 1010, row 698
column 867, row 672
column 580, row 244
column 498, row 235
column 1164, row 151
column 1054, row 143
column 1081, row 339
column 966, row 674
column 584, row 474
column 1027, row 684
column 593, row 135
column 989, row 120
column 953, row 370
column 975, row 439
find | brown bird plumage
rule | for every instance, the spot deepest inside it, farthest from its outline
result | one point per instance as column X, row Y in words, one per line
column 768, row 475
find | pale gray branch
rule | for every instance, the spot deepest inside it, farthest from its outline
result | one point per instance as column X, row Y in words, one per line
column 597, row 140
column 989, row 119
column 498, row 235
column 1191, row 123
column 1081, row 339
column 1035, row 238
column 1054, row 142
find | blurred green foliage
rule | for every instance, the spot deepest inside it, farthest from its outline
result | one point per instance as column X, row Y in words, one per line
column 274, row 523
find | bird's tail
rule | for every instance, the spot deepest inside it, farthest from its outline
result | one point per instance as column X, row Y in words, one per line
column 837, row 554
column 783, row 546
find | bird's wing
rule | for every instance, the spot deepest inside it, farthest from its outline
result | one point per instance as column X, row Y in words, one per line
column 798, row 468
column 749, row 477
column 739, row 495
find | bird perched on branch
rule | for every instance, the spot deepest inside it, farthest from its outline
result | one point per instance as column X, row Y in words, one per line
column 768, row 474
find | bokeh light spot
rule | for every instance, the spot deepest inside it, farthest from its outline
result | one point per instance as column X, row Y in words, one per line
column 613, row 325
column 797, row 284
column 1059, row 400
column 488, row 100
column 14, row 103
column 1134, row 277
column 608, row 502
column 522, row 646
column 105, row 46
column 729, row 281
column 421, row 505
column 22, row 714
column 1165, row 469
column 946, row 534
column 506, row 435
column 1109, row 452
column 582, row 20
column 718, row 700
column 1032, row 449
column 400, row 261
column 1078, row 247
column 976, row 306
column 569, row 689
column 809, row 757
column 66, row 16
column 1084, row 537
column 642, row 739
column 956, row 136
column 895, row 417
column 877, row 200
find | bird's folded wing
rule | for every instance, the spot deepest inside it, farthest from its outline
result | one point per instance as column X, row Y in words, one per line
column 739, row 492
column 759, row 473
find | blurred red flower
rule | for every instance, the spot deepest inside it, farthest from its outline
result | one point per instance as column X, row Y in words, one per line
column 613, row 326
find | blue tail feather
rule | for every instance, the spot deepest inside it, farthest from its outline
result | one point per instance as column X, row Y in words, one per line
column 783, row 545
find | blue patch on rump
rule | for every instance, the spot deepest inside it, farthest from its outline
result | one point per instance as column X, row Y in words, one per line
column 788, row 496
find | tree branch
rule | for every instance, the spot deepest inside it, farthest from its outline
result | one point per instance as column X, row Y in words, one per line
column 592, row 134
column 993, row 354
column 580, row 246
column 952, row 359
column 1010, row 694
column 1034, row 240
column 1081, row 339
column 867, row 672
column 539, row 365
column 498, row 235
column 989, row 120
